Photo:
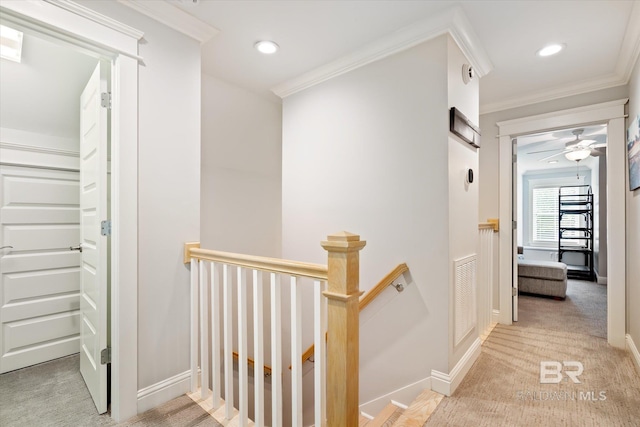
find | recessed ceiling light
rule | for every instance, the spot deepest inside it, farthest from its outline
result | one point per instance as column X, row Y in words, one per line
column 10, row 44
column 553, row 161
column 551, row 49
column 267, row 47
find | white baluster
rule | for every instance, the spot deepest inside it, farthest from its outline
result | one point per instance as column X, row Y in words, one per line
column 216, row 381
column 243, row 375
column 228, row 342
column 296, row 354
column 258, row 349
column 319, row 356
column 276, row 352
column 204, row 334
column 194, row 325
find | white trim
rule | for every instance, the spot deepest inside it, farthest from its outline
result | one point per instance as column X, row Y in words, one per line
column 85, row 12
column 41, row 150
column 174, row 17
column 448, row 383
column 163, row 391
column 611, row 113
column 495, row 316
column 601, row 280
column 633, row 349
column 403, row 396
column 556, row 119
column 56, row 21
column 364, row 414
column 630, row 49
column 561, row 91
column 452, row 21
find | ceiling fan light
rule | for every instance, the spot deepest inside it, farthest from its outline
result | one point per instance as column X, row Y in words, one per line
column 267, row 47
column 550, row 50
column 577, row 155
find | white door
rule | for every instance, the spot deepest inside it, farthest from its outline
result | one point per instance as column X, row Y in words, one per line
column 514, row 230
column 39, row 276
column 93, row 210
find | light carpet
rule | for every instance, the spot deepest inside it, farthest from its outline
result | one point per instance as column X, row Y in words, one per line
column 503, row 387
column 53, row 394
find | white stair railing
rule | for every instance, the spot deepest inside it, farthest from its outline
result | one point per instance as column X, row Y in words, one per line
column 485, row 276
column 212, row 287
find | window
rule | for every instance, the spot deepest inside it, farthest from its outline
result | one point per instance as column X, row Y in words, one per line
column 544, row 213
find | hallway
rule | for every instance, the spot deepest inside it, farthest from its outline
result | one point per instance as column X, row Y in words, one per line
column 503, row 388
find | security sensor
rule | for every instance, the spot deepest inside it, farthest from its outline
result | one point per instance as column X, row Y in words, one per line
column 468, row 177
column 467, row 73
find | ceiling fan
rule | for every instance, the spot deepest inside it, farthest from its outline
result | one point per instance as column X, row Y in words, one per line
column 576, row 149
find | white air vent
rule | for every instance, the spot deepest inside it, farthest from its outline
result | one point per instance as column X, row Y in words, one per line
column 464, row 310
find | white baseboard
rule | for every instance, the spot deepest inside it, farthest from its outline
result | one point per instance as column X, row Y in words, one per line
column 495, row 316
column 601, row 280
column 403, row 396
column 447, row 383
column 163, row 391
column 633, row 349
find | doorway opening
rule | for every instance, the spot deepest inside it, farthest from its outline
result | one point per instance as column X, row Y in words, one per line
column 50, row 247
column 560, row 204
column 609, row 113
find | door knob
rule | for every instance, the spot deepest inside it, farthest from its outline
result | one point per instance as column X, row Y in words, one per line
column 76, row 248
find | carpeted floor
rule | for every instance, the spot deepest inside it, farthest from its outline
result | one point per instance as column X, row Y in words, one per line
column 503, row 387
column 54, row 394
column 583, row 311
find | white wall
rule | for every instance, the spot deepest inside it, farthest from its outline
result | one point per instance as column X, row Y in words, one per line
column 241, row 195
column 366, row 152
column 168, row 188
column 633, row 226
column 463, row 197
column 489, row 154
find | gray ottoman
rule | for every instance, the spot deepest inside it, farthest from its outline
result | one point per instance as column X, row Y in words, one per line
column 542, row 278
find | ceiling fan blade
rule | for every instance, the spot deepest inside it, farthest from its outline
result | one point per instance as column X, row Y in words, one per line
column 602, row 144
column 553, row 155
column 597, row 152
column 544, row 151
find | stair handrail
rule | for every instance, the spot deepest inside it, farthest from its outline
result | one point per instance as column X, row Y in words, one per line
column 368, row 297
column 276, row 265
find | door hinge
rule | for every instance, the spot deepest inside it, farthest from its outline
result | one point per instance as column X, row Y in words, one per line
column 105, row 228
column 514, row 292
column 105, row 356
column 514, row 224
column 105, row 100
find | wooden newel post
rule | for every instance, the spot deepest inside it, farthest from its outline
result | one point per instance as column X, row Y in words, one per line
column 343, row 337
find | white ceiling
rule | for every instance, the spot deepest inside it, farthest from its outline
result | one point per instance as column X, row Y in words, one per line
column 42, row 93
column 314, row 33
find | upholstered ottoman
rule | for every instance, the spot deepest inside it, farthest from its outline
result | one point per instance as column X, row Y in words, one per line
column 542, row 277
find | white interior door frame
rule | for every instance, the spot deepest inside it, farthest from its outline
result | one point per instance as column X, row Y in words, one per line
column 612, row 114
column 104, row 37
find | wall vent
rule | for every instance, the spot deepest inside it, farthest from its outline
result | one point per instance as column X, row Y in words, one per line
column 464, row 309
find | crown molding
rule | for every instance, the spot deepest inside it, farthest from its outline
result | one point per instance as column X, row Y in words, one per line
column 452, row 21
column 585, row 86
column 174, row 17
column 94, row 16
column 630, row 49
